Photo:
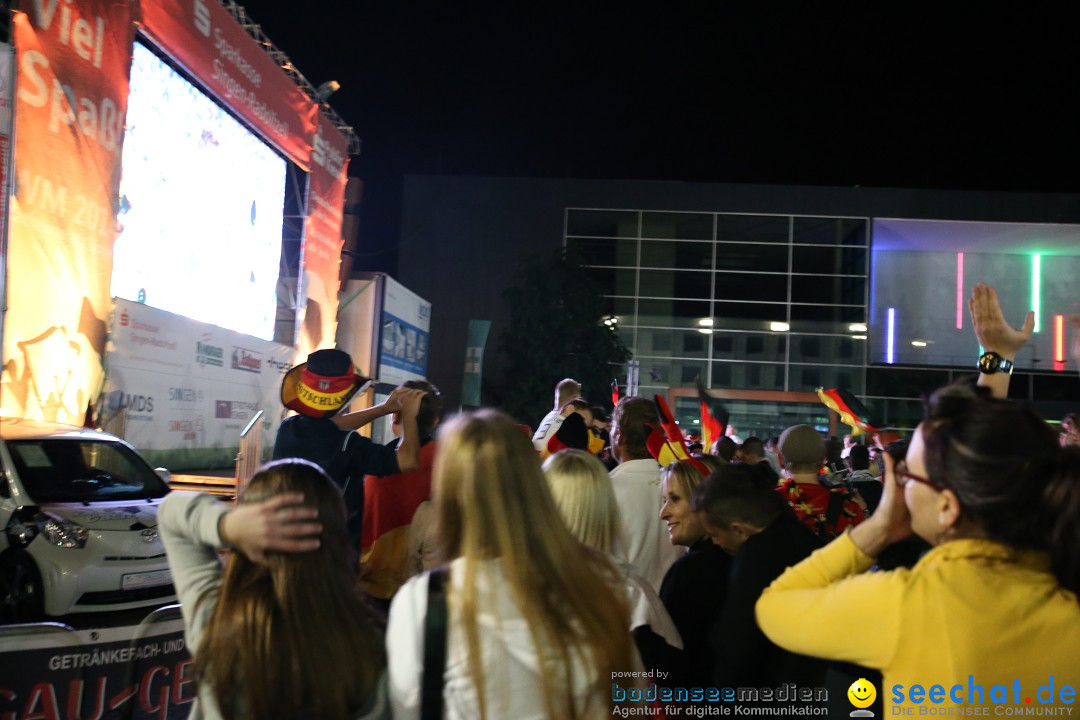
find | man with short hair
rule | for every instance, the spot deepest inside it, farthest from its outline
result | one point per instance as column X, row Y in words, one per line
column 643, row 535
column 390, row 502
column 744, row 515
column 752, row 452
column 566, row 391
column 826, row 511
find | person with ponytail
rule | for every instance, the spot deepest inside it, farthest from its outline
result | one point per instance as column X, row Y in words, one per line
column 994, row 603
column 537, row 623
column 282, row 630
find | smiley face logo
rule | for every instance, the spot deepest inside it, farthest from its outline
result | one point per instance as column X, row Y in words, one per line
column 862, row 693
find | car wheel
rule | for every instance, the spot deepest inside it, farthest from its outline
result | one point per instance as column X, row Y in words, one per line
column 22, row 597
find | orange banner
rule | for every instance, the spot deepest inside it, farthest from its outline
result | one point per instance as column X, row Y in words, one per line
column 204, row 38
column 73, row 58
column 322, row 237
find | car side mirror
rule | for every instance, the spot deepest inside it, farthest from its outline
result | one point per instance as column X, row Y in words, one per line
column 164, row 474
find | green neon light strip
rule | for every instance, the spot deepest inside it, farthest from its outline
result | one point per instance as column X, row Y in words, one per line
column 1036, row 286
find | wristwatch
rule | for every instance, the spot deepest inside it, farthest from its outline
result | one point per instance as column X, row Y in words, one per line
column 991, row 362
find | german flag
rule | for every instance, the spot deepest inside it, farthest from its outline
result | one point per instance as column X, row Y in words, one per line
column 714, row 418
column 667, row 443
column 851, row 411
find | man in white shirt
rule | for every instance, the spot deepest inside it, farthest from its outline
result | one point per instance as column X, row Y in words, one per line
column 567, row 390
column 643, row 538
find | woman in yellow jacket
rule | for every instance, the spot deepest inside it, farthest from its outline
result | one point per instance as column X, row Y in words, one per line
column 988, row 621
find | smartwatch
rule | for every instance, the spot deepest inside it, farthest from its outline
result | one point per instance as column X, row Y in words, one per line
column 991, row 362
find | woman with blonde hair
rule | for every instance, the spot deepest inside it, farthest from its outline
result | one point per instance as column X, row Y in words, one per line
column 282, row 630
column 537, row 622
column 695, row 587
column 582, row 491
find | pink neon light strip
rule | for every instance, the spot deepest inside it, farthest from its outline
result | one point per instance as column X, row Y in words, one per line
column 959, row 290
column 1059, row 338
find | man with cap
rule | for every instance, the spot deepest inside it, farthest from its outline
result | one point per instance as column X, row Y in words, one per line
column 826, row 511
column 317, row 390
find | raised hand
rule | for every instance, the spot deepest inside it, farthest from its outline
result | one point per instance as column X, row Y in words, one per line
column 278, row 524
column 993, row 332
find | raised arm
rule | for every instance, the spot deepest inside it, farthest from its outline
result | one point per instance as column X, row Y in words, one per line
column 996, row 335
column 360, row 418
column 408, row 451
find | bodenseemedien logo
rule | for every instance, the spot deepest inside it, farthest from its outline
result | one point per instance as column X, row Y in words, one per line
column 862, row 694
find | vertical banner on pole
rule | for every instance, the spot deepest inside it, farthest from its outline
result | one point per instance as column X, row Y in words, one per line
column 317, row 317
column 474, row 362
column 7, row 97
column 73, row 62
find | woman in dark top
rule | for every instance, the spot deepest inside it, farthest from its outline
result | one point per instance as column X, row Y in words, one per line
column 695, row 587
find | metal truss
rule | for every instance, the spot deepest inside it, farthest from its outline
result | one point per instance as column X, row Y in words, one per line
column 282, row 60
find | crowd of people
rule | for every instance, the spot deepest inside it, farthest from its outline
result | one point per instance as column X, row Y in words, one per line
column 466, row 571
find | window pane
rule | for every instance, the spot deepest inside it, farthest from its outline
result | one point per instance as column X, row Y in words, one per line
column 611, row 281
column 903, row 382
column 829, row 260
column 676, row 255
column 605, row 251
column 830, row 231
column 752, row 228
column 670, row 283
column 677, row 226
column 808, row 378
column 672, row 313
column 760, row 258
column 743, row 286
column 603, row 223
column 826, row 349
column 832, row 290
column 748, row 316
column 672, row 343
column 825, row 318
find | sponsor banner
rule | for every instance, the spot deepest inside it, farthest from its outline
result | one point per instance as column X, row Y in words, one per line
column 73, row 60
column 404, row 335
column 322, row 238
column 205, row 39
column 110, row 672
column 182, row 391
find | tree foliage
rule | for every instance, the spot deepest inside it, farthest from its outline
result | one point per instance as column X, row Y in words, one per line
column 556, row 330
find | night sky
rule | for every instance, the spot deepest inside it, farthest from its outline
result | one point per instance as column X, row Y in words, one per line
column 894, row 95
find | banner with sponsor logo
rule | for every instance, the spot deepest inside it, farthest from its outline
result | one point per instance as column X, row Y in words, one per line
column 322, row 238
column 404, row 335
column 204, row 38
column 72, row 61
column 182, row 391
column 56, row 672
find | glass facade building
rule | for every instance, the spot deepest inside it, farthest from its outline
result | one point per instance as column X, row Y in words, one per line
column 775, row 306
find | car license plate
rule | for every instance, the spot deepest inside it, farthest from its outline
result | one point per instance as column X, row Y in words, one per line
column 133, row 581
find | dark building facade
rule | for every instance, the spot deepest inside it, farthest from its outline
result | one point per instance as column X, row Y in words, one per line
column 758, row 288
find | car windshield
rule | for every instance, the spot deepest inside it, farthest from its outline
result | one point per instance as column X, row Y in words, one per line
column 66, row 470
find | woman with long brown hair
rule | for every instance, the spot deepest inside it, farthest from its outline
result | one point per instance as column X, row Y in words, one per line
column 537, row 622
column 281, row 630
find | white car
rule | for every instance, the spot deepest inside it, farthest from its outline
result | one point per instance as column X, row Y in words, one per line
column 78, row 523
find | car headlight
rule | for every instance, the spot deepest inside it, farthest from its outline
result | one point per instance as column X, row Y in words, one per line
column 62, row 533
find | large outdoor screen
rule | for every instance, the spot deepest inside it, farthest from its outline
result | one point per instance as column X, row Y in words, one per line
column 201, row 204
